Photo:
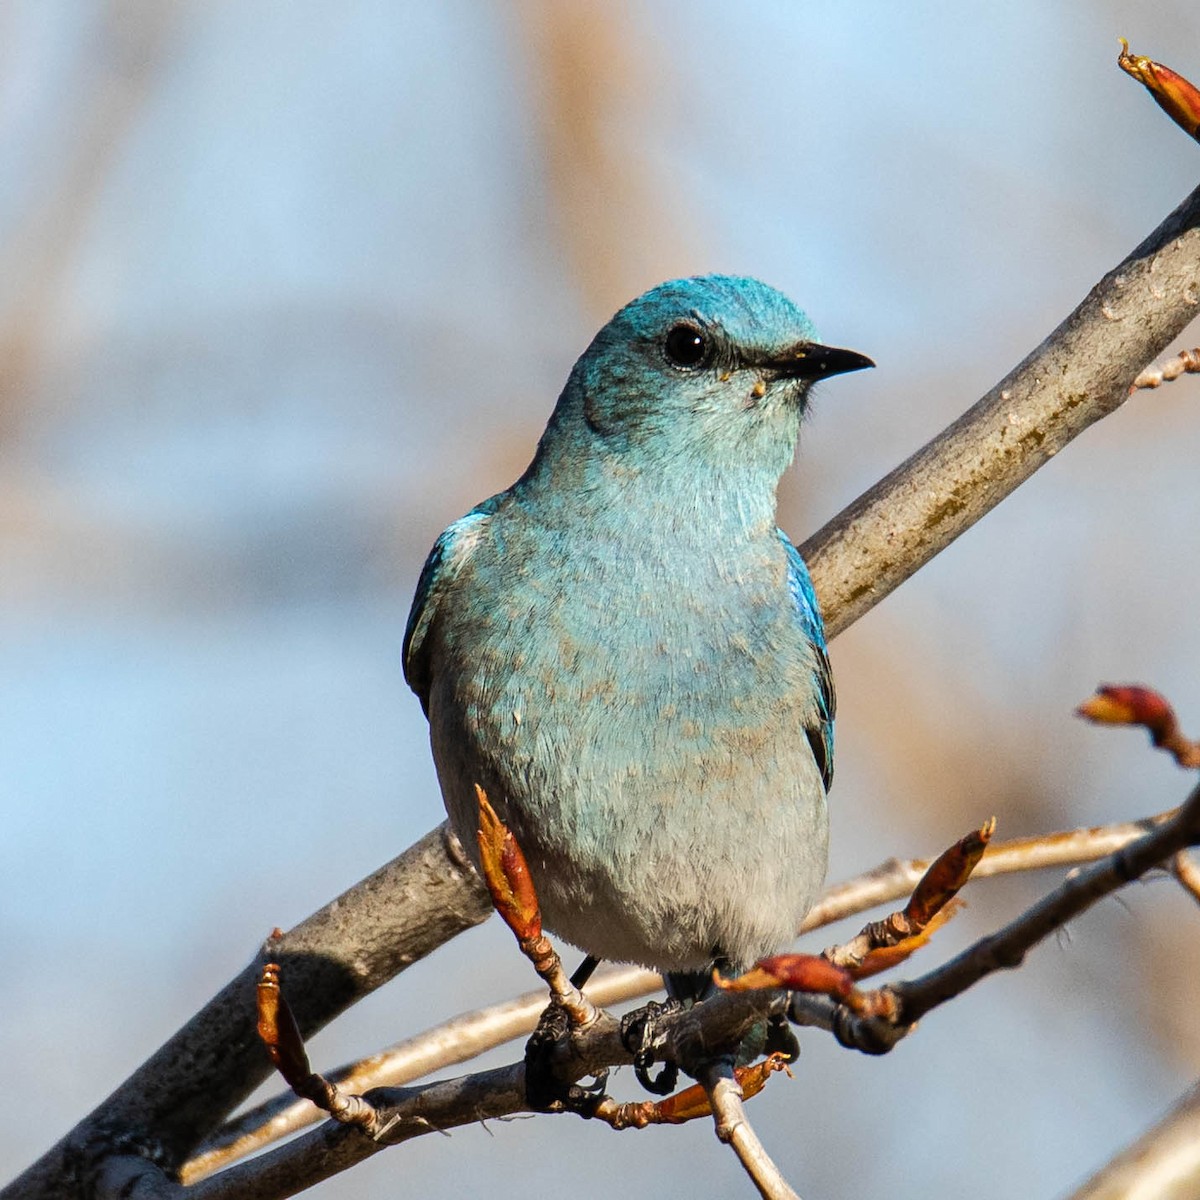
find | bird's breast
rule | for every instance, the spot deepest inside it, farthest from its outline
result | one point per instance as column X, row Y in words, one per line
column 625, row 657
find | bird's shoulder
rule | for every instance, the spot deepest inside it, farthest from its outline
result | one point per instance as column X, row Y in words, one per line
column 452, row 550
column 808, row 617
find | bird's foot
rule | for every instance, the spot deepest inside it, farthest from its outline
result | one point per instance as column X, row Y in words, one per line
column 638, row 1035
column 544, row 1091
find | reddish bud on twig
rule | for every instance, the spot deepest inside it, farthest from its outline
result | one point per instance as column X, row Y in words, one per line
column 884, row 944
column 280, row 1034
column 693, row 1101
column 796, row 973
column 947, row 874
column 1175, row 95
column 507, row 873
column 511, row 885
column 278, row 1029
column 688, row 1105
column 1132, row 704
column 892, row 954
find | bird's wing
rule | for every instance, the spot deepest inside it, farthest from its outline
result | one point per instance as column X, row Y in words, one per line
column 445, row 560
column 808, row 615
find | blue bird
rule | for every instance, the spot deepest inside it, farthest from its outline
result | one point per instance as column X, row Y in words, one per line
column 625, row 651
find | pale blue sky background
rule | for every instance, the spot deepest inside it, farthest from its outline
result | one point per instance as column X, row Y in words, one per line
column 284, row 289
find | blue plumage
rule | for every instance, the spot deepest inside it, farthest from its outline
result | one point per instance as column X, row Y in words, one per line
column 626, row 652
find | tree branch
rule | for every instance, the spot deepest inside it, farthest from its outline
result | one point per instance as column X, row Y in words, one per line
column 1083, row 371
column 721, row 1021
column 734, row 1128
column 1164, row 1164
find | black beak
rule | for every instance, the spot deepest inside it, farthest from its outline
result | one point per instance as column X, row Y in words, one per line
column 811, row 360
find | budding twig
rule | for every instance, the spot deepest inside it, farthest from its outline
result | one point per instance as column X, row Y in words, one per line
column 1008, row 946
column 461, row 1039
column 734, row 1128
column 1186, row 362
column 511, row 886
column 884, row 944
column 279, row 1033
column 1133, row 704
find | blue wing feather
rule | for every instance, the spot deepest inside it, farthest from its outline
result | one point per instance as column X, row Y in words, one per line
column 439, row 570
column 820, row 733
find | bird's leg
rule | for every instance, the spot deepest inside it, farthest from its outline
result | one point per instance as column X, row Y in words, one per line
column 685, row 989
column 584, row 971
column 553, row 1025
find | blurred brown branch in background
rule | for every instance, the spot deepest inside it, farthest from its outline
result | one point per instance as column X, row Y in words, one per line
column 135, row 35
column 616, row 211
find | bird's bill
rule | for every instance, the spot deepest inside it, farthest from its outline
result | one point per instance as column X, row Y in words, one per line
column 811, row 360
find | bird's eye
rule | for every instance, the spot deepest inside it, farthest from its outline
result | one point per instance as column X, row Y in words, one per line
column 686, row 346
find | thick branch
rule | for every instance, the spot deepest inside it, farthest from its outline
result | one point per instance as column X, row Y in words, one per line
column 1083, row 371
column 338, row 955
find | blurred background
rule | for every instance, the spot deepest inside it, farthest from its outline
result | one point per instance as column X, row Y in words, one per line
column 285, row 289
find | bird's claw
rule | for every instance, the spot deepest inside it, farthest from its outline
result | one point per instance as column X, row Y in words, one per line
column 638, row 1035
column 543, row 1090
column 781, row 1039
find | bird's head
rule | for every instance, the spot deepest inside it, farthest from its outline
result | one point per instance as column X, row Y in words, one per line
column 709, row 372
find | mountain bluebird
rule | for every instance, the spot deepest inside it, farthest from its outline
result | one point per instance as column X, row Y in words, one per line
column 625, row 651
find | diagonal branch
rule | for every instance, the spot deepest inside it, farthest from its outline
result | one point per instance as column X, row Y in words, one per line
column 1082, row 372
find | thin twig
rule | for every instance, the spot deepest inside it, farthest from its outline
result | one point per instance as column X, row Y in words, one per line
column 720, row 1020
column 896, row 878
column 1186, row 362
column 733, row 1127
column 886, row 943
column 1008, row 946
column 281, row 1036
column 1164, row 1164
